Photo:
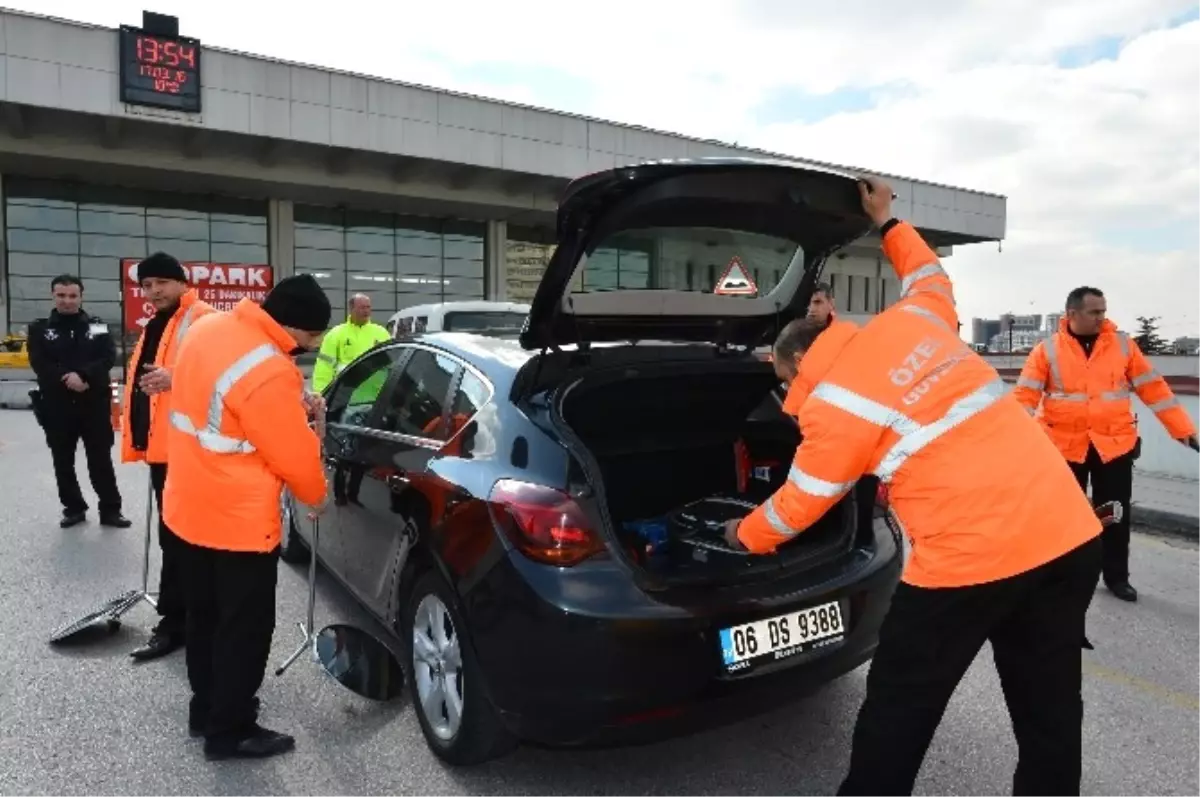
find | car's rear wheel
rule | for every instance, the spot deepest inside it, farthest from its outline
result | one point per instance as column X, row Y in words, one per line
column 291, row 547
column 459, row 722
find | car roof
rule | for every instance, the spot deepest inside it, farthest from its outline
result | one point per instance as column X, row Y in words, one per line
column 480, row 305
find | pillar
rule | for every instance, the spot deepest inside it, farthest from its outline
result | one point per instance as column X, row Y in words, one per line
column 281, row 229
column 495, row 250
column 3, row 265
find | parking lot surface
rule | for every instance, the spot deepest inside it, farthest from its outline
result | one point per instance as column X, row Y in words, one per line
column 85, row 720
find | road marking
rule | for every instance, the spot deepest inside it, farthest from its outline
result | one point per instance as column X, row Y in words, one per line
column 1180, row 699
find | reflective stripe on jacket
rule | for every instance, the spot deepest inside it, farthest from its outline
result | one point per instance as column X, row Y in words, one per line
column 190, row 308
column 979, row 490
column 238, row 433
column 342, row 345
column 1089, row 400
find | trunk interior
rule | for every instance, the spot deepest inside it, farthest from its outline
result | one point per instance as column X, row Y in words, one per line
column 665, row 435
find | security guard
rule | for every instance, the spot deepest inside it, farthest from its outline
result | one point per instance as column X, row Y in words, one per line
column 146, row 413
column 347, row 341
column 1084, row 377
column 239, row 433
column 1005, row 546
column 72, row 353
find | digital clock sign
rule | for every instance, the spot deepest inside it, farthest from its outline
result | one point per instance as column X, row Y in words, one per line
column 159, row 71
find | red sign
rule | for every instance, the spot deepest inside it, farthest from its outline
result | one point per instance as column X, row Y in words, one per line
column 222, row 285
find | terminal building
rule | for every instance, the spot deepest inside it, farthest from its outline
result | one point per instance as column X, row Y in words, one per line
column 115, row 143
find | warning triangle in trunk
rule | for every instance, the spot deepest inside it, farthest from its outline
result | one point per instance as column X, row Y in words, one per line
column 736, row 281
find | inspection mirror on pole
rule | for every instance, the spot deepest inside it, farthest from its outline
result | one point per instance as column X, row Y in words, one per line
column 110, row 613
column 350, row 655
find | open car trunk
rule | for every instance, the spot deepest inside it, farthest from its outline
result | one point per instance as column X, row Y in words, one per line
column 659, row 437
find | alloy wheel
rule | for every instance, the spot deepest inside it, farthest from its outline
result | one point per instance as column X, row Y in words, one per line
column 437, row 667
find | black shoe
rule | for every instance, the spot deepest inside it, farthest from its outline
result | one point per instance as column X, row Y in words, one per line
column 1124, row 591
column 262, row 743
column 196, row 725
column 70, row 519
column 159, row 645
column 117, row 521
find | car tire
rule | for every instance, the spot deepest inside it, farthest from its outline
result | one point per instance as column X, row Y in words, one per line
column 478, row 735
column 291, row 547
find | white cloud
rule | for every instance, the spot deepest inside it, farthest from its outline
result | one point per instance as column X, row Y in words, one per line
column 1079, row 153
column 968, row 93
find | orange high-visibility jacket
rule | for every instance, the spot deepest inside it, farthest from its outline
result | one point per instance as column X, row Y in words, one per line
column 238, row 434
column 190, row 308
column 973, row 482
column 1088, row 399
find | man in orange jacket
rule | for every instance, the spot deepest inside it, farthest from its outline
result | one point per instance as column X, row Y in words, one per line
column 1084, row 377
column 145, row 417
column 1005, row 547
column 239, row 434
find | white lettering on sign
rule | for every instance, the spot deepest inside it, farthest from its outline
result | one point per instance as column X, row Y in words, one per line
column 204, row 274
column 245, row 276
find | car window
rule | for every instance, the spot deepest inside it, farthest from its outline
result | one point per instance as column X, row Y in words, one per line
column 416, row 405
column 472, row 394
column 419, row 324
column 356, row 388
column 484, row 321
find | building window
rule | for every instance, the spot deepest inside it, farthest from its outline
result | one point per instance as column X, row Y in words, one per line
column 398, row 261
column 56, row 227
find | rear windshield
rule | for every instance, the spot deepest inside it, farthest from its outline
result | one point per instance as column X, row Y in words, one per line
column 697, row 259
column 484, row 322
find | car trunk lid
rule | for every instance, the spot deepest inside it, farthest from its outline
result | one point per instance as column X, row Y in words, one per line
column 737, row 208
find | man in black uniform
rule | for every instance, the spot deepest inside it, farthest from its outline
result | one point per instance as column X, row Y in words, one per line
column 72, row 352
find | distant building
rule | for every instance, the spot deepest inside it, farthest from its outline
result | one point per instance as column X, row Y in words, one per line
column 1017, row 333
column 1052, row 322
column 1185, row 346
column 983, row 330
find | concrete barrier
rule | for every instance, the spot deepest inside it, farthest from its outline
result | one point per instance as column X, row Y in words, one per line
column 14, row 394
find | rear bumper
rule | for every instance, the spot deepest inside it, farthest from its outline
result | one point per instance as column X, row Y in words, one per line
column 585, row 667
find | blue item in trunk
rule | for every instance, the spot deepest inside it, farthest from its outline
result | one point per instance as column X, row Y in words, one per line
column 653, row 532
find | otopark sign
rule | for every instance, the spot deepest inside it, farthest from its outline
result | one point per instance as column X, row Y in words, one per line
column 221, row 285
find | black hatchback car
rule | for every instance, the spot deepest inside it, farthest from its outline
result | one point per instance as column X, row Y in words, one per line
column 537, row 518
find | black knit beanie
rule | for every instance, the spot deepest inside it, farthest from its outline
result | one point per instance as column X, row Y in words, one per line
column 298, row 302
column 163, row 266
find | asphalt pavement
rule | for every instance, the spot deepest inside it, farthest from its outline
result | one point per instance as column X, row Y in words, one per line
column 85, row 720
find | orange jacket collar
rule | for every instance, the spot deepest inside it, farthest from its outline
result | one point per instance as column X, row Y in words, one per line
column 817, row 362
column 190, row 297
column 250, row 312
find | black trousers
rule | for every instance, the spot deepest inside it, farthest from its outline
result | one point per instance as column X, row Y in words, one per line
column 230, row 622
column 171, row 605
column 1035, row 623
column 1111, row 481
column 64, row 429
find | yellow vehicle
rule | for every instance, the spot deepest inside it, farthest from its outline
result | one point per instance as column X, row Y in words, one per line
column 14, row 352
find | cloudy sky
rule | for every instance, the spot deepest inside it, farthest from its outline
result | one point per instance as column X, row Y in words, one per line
column 1084, row 113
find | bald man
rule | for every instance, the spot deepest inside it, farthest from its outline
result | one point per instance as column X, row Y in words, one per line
column 347, row 341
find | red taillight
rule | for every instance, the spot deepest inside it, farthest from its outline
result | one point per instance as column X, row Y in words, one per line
column 543, row 523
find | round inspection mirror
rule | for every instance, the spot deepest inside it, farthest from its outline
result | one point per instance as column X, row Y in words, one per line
column 87, row 626
column 359, row 662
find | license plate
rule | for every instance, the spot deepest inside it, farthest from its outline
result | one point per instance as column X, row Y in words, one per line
column 775, row 638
